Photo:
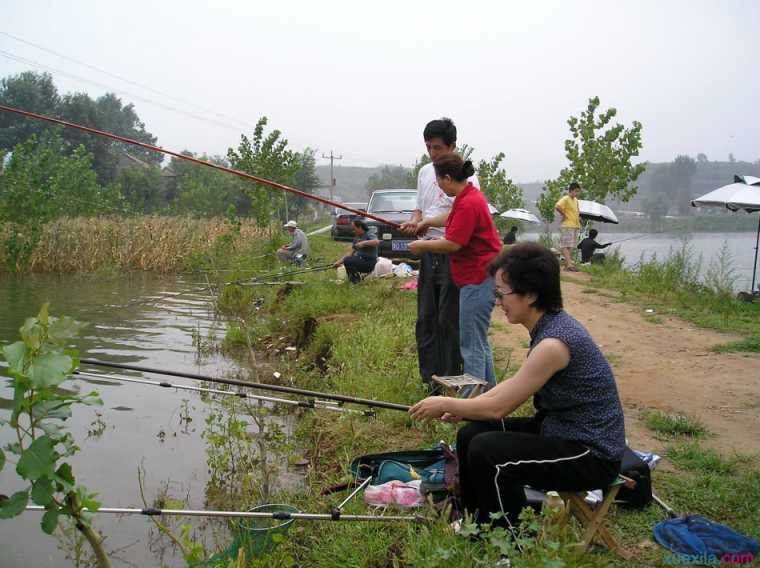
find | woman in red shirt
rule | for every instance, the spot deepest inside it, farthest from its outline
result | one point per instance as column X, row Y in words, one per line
column 471, row 241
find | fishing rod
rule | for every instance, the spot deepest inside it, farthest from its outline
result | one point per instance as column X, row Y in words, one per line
column 312, row 403
column 630, row 238
column 279, row 515
column 257, row 179
column 283, row 274
column 316, row 268
column 262, row 386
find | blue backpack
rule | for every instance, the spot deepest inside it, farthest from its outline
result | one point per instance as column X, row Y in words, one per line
column 436, row 468
column 700, row 541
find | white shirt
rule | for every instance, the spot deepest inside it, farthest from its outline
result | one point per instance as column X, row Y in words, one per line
column 431, row 199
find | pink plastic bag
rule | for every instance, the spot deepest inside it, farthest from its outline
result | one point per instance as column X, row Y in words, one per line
column 395, row 493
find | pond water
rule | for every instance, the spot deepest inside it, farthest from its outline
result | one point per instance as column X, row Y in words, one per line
column 141, row 319
column 741, row 247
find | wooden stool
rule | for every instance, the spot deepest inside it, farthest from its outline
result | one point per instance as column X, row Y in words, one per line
column 592, row 520
column 453, row 385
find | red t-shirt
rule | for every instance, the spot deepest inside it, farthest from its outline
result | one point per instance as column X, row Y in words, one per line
column 470, row 225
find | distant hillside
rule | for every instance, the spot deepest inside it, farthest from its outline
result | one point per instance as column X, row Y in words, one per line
column 707, row 176
column 351, row 182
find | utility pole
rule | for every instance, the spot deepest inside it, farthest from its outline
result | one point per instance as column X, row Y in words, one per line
column 332, row 175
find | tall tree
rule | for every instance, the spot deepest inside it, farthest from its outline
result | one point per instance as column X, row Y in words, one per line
column 265, row 156
column 201, row 191
column 500, row 190
column 306, row 179
column 681, row 173
column 600, row 158
column 142, row 188
column 29, row 91
column 44, row 179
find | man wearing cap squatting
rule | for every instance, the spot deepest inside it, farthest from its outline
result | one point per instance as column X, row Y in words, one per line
column 298, row 246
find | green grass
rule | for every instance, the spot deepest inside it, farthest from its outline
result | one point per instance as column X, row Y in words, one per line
column 751, row 344
column 690, row 456
column 674, row 286
column 674, row 425
column 363, row 345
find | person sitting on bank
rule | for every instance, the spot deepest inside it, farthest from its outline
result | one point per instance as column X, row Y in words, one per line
column 576, row 439
column 587, row 247
column 363, row 255
column 298, row 249
column 511, row 237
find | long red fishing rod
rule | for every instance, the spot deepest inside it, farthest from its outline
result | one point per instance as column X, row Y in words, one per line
column 260, row 180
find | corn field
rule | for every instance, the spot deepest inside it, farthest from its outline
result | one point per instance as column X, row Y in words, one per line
column 162, row 244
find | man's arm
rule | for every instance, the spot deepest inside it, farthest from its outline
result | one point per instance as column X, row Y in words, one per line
column 294, row 244
column 434, row 245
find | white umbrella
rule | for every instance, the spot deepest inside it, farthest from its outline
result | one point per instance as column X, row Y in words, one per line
column 520, row 215
column 492, row 210
column 593, row 211
column 743, row 194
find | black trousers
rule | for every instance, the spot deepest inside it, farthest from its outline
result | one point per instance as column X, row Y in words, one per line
column 498, row 459
column 356, row 265
column 437, row 327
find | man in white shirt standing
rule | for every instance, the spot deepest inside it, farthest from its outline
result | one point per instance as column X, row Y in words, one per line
column 437, row 329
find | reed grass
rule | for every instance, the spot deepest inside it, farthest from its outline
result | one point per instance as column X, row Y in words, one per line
column 162, row 244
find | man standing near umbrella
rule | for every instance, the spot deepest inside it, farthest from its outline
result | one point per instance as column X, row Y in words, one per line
column 567, row 207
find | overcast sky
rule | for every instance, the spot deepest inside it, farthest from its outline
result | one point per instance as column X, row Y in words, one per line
column 363, row 78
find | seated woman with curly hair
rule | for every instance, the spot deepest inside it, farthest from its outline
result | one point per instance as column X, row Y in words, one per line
column 576, row 438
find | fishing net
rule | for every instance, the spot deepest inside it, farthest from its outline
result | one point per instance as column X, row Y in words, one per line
column 257, row 536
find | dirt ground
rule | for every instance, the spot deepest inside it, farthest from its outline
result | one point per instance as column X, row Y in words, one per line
column 662, row 363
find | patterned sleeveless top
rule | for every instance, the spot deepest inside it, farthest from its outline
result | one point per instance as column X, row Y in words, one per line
column 581, row 401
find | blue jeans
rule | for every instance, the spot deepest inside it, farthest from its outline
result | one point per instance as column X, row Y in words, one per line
column 476, row 302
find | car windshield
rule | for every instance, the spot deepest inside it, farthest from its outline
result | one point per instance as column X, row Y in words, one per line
column 341, row 211
column 393, row 202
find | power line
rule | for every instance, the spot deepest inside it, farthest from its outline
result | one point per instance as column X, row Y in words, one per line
column 110, row 88
column 126, row 80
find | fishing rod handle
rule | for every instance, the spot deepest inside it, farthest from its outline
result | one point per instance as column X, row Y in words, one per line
column 277, row 388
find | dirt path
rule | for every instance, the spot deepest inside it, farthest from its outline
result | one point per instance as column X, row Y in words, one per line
column 663, row 363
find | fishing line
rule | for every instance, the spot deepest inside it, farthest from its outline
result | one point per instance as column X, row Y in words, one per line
column 313, row 403
column 262, row 386
column 283, row 274
column 259, row 180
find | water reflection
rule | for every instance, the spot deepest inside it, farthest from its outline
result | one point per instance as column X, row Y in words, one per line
column 152, row 320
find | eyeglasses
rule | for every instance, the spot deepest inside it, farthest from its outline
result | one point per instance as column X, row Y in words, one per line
column 500, row 294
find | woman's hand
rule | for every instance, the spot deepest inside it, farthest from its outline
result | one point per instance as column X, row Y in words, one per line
column 429, row 408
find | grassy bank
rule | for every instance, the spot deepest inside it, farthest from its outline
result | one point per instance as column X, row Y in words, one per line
column 674, row 286
column 162, row 244
column 359, row 340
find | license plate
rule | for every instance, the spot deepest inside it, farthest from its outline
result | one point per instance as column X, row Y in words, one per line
column 399, row 246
